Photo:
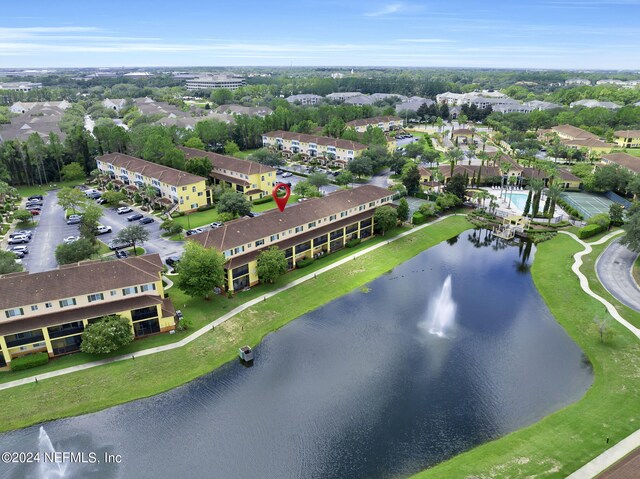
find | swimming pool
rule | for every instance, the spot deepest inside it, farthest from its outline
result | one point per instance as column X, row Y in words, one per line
column 518, row 200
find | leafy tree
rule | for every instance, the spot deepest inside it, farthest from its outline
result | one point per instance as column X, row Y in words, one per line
column 611, row 177
column 8, row 263
column 113, row 198
column 603, row 329
column 360, row 166
column 335, row 128
column 171, row 227
column 457, row 185
column 385, row 218
column 233, row 202
column 221, row 96
column 397, row 162
column 318, row 179
column 305, row 189
column 632, row 238
column 374, row 136
column 200, row 166
column 23, row 216
column 447, row 201
column 616, row 213
column 201, row 270
column 601, row 219
column 271, row 264
column 213, row 133
column 231, row 148
column 403, row 210
column 134, row 234
column 266, row 157
column 73, row 171
column 350, row 134
column 344, row 178
column 194, row 142
column 106, row 335
column 79, row 250
column 72, row 198
column 89, row 222
column 527, row 205
column 411, row 180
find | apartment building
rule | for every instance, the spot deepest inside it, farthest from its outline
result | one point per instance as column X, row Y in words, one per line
column 327, row 150
column 309, row 229
column 628, row 138
column 577, row 138
column 20, row 86
column 212, row 82
column 49, row 311
column 342, row 96
column 250, row 178
column 609, row 105
column 305, row 99
column 385, row 123
column 625, row 160
column 177, row 189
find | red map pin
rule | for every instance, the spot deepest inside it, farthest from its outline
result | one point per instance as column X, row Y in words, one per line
column 281, row 201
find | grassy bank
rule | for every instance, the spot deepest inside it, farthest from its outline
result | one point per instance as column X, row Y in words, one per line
column 562, row 442
column 98, row 388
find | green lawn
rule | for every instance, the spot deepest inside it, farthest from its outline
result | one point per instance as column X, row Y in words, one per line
column 244, row 153
column 633, row 151
column 27, row 191
column 272, row 204
column 101, row 387
column 199, row 218
column 564, row 441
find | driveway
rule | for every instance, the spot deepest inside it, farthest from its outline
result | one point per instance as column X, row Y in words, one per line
column 614, row 271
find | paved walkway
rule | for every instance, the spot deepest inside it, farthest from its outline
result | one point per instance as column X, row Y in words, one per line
column 217, row 322
column 632, row 442
column 614, row 269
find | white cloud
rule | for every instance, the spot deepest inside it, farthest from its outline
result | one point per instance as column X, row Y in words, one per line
column 388, row 9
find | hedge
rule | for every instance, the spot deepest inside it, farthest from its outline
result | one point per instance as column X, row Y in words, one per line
column 304, row 262
column 353, row 243
column 206, row 207
column 29, row 361
column 263, row 200
column 589, row 231
column 418, row 218
column 568, row 208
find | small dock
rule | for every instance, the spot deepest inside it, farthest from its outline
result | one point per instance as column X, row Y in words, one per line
column 512, row 225
column 246, row 354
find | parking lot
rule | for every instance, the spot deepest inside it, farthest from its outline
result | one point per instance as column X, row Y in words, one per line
column 51, row 229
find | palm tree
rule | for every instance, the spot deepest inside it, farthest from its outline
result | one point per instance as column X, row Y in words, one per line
column 483, row 195
column 553, row 192
column 149, row 193
column 512, row 181
column 453, row 156
column 536, row 185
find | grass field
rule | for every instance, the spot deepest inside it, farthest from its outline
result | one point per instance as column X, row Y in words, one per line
column 98, row 388
column 27, row 191
column 562, row 442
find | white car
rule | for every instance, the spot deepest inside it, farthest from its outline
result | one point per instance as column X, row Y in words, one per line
column 124, row 209
column 101, row 229
column 20, row 249
column 287, row 174
column 71, row 239
column 18, row 239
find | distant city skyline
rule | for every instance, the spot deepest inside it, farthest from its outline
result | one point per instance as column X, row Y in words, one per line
column 539, row 34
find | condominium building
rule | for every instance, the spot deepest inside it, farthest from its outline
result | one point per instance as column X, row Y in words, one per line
column 49, row 311
column 250, row 178
column 630, row 162
column 20, row 86
column 385, row 123
column 177, row 189
column 305, row 99
column 577, row 138
column 215, row 81
column 628, row 138
column 303, row 230
column 609, row 105
column 327, row 150
column 577, row 81
column 342, row 96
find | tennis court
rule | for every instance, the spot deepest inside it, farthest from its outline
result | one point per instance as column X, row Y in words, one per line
column 586, row 203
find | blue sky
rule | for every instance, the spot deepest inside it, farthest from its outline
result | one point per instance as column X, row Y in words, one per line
column 579, row 34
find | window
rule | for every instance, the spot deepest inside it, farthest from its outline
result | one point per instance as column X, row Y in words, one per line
column 200, row 193
column 148, row 287
column 10, row 313
column 311, row 225
column 173, row 188
column 299, row 229
column 239, row 249
column 372, row 204
column 114, row 292
column 193, row 189
column 95, row 297
column 67, row 302
column 275, row 237
column 184, row 188
column 48, row 305
column 332, row 217
column 34, row 307
column 194, row 205
column 343, row 214
column 130, row 290
column 259, row 243
column 361, row 208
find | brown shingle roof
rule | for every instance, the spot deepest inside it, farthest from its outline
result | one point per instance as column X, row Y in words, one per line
column 162, row 173
column 78, row 279
column 588, row 143
column 628, row 133
column 470, row 170
column 246, row 167
column 231, row 179
column 372, row 121
column 462, row 132
column 573, row 132
column 625, row 160
column 247, row 230
column 21, row 324
column 318, row 140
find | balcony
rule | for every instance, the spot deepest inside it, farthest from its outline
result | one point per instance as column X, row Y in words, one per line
column 22, row 341
column 59, row 331
column 144, row 313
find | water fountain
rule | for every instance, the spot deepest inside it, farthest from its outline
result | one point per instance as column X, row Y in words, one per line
column 49, row 469
column 442, row 312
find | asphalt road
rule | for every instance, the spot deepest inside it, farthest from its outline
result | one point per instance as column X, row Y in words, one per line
column 614, row 271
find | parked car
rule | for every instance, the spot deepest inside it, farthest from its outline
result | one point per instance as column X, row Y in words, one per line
column 19, row 239
column 34, row 212
column 146, row 220
column 34, row 203
column 27, row 233
column 114, row 245
column 121, row 254
column 22, row 249
column 101, row 229
column 287, row 174
column 215, row 224
column 18, row 254
column 194, row 231
column 124, row 209
column 94, row 196
column 35, row 197
column 74, row 220
column 172, row 261
column 279, row 171
column 71, row 239
column 135, row 217
column 101, row 201
column 250, row 214
column 33, row 207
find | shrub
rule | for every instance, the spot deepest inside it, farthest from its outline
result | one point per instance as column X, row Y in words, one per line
column 184, row 324
column 589, row 231
column 263, row 200
column 206, row 207
column 601, row 219
column 29, row 361
column 303, row 263
column 353, row 243
column 418, row 218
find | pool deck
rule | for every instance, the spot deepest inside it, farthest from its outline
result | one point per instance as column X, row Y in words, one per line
column 505, row 205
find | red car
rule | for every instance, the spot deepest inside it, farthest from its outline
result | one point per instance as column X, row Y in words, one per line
column 35, row 212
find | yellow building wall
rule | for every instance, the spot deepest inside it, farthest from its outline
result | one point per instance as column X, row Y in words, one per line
column 189, row 197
